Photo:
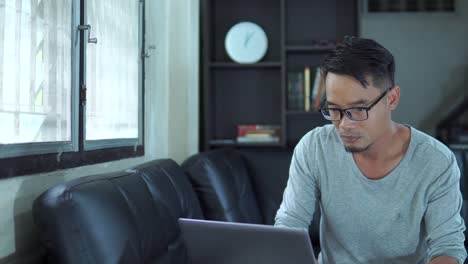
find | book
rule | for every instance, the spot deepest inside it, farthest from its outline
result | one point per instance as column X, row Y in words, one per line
column 295, row 83
column 290, row 103
column 261, row 133
column 307, row 89
column 258, row 140
column 320, row 93
column 258, row 133
column 316, row 84
column 242, row 130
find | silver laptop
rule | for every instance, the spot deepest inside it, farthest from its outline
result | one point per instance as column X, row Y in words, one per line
column 212, row 242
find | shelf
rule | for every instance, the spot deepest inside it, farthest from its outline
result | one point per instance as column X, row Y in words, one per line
column 309, row 48
column 238, row 65
column 260, row 144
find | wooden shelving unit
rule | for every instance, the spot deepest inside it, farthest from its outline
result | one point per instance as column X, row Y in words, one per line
column 299, row 32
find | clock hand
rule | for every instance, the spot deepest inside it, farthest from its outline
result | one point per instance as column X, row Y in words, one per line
column 247, row 38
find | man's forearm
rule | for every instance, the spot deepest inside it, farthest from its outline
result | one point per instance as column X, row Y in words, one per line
column 443, row 260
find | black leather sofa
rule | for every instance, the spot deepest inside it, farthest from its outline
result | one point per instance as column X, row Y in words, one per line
column 131, row 216
column 223, row 186
column 122, row 217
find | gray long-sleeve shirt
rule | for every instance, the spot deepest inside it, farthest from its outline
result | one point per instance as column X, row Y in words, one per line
column 409, row 216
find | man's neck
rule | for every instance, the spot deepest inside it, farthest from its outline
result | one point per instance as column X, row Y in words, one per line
column 390, row 145
column 385, row 154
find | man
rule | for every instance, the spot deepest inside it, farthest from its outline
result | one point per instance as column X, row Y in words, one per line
column 387, row 193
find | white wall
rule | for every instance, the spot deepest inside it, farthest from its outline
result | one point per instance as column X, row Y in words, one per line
column 431, row 53
column 171, row 122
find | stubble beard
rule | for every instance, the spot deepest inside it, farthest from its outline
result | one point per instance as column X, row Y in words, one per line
column 356, row 149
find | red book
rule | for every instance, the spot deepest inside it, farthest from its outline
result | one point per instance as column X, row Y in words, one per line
column 258, row 130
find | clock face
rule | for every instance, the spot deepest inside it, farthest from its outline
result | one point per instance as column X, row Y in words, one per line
column 246, row 42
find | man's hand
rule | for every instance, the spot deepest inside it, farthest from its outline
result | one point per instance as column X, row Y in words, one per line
column 443, row 260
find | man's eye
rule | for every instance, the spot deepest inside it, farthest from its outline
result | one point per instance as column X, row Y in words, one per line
column 358, row 109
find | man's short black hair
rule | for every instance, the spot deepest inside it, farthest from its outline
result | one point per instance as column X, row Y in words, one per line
column 364, row 59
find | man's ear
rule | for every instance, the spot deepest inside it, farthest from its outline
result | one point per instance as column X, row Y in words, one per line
column 393, row 98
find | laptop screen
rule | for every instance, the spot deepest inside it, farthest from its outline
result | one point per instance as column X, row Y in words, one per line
column 237, row 243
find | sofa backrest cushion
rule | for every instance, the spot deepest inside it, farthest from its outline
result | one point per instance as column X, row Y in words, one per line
column 122, row 217
column 223, row 186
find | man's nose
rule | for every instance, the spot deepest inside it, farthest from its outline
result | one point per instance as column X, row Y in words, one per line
column 345, row 122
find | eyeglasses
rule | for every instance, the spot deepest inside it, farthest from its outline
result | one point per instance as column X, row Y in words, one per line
column 353, row 113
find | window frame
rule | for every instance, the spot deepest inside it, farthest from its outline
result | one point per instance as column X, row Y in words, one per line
column 30, row 158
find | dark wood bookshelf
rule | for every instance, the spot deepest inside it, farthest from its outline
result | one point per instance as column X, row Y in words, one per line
column 300, row 33
column 253, row 65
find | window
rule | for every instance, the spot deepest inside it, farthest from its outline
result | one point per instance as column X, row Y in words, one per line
column 70, row 83
column 35, row 73
column 112, row 111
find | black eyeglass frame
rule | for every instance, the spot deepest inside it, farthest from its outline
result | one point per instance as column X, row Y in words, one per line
column 360, row 108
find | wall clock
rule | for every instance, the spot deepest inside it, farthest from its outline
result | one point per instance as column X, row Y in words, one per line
column 246, row 42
